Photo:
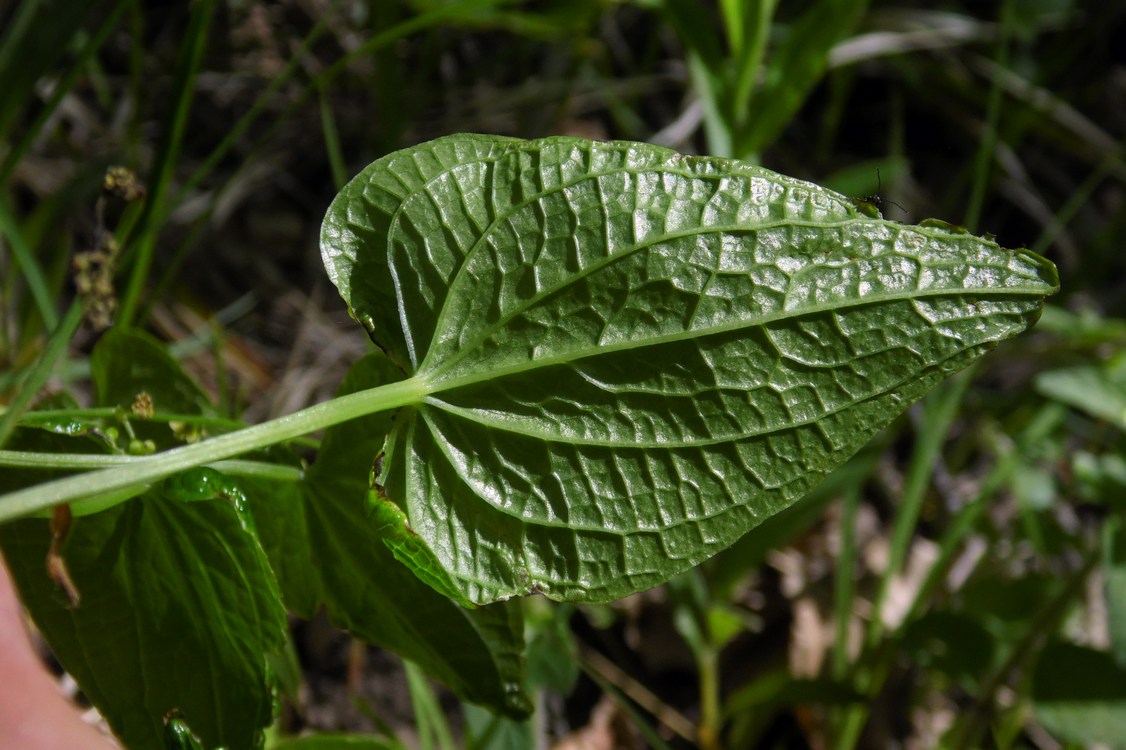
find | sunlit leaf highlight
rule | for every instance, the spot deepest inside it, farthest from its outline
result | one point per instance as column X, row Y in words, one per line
column 630, row 357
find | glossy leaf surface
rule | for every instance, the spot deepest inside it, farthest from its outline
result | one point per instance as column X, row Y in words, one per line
column 178, row 610
column 179, row 606
column 631, row 357
column 329, row 552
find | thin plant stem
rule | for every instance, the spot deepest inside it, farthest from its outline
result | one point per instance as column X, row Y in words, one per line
column 332, row 143
column 1078, row 199
column 152, row 468
column 56, row 461
column 707, row 661
column 940, row 412
column 17, row 24
column 239, row 128
column 429, row 720
column 320, row 83
column 881, row 658
column 136, row 28
column 750, row 62
column 626, row 691
column 49, row 416
column 843, row 584
column 734, row 23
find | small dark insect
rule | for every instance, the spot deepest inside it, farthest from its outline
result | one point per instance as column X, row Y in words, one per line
column 870, row 205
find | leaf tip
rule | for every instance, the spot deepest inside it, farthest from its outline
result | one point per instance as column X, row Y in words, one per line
column 1045, row 269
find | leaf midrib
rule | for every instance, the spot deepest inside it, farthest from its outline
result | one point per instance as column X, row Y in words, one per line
column 435, row 383
column 520, row 425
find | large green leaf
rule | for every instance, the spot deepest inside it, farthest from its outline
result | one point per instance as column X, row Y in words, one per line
column 179, row 607
column 178, row 611
column 630, row 357
column 327, row 552
column 127, row 362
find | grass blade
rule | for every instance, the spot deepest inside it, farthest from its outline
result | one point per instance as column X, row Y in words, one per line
column 195, row 41
column 28, row 263
column 56, row 348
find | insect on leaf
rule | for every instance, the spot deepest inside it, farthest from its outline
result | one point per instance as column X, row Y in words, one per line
column 630, row 357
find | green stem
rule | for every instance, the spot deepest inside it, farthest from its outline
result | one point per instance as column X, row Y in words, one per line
column 734, row 23
column 239, row 129
column 433, row 728
column 48, row 416
column 1079, row 198
column 79, row 461
column 322, row 81
column 708, row 664
column 332, row 143
column 147, row 470
column 628, row 695
column 881, row 659
column 843, row 589
column 939, row 414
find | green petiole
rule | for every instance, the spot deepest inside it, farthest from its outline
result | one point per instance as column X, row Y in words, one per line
column 80, row 461
column 143, row 471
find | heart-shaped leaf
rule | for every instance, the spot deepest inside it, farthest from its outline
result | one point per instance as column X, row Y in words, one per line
column 180, row 612
column 630, row 357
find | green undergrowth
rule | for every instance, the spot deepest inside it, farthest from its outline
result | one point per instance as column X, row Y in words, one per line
column 630, row 419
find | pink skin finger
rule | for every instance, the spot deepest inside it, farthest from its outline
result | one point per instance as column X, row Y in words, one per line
column 34, row 715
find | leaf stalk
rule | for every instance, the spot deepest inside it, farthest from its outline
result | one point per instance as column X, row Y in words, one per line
column 148, row 470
